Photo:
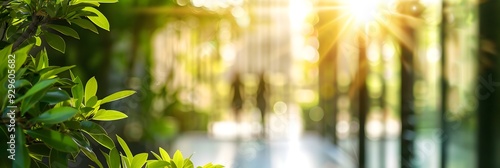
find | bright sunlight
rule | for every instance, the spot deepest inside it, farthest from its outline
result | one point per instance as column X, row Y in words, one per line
column 363, row 11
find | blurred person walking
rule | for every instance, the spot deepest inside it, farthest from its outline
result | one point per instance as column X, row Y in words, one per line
column 237, row 102
column 262, row 102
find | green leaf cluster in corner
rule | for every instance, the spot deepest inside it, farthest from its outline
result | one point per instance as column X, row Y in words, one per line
column 56, row 118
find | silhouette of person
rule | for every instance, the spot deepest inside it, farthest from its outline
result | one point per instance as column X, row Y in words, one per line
column 237, row 102
column 262, row 102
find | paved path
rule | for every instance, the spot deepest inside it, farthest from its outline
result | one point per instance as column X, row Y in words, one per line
column 309, row 151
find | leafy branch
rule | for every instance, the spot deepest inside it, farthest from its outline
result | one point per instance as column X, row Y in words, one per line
column 57, row 117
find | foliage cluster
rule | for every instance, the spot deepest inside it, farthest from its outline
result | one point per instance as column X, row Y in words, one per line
column 49, row 119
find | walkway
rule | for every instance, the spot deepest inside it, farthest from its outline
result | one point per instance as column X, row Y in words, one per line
column 309, row 151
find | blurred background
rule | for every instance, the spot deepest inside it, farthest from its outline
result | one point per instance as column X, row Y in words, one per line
column 302, row 83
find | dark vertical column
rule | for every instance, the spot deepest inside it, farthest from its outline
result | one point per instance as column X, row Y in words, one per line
column 327, row 69
column 444, row 88
column 363, row 104
column 408, row 118
column 407, row 107
column 488, row 78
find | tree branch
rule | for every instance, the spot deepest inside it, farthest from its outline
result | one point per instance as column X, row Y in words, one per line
column 30, row 31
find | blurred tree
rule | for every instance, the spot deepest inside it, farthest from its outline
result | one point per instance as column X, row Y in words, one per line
column 363, row 99
column 489, row 74
column 408, row 119
column 327, row 26
column 444, row 86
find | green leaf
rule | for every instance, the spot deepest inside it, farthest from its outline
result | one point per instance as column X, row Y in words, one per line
column 188, row 163
column 91, row 102
column 99, row 1
column 96, row 107
column 114, row 158
column 64, row 30
column 20, row 73
column 58, row 159
column 81, row 140
column 4, row 53
column 73, row 156
column 104, row 140
column 38, row 41
column 125, row 162
column 55, row 96
column 43, row 60
column 56, row 42
column 86, row 111
column 56, row 115
column 22, row 55
column 99, row 20
column 91, row 155
column 22, row 83
column 125, row 148
column 35, row 158
column 172, row 164
column 178, row 159
column 164, row 154
column 158, row 157
column 75, row 125
column 86, row 24
column 79, row 2
column 47, row 69
column 158, row 163
column 77, row 92
column 208, row 165
column 22, row 154
column 139, row 160
column 65, row 82
column 39, row 149
column 117, row 96
column 4, row 137
column 90, row 88
column 109, row 115
column 97, row 133
column 106, row 156
column 55, row 139
column 12, row 30
column 31, row 101
column 55, row 71
column 40, row 86
column 38, row 164
column 72, row 75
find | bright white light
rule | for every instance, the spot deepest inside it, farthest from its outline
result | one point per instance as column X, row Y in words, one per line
column 433, row 55
column 309, row 53
column 224, row 129
column 388, row 51
column 198, row 3
column 363, row 11
column 298, row 11
column 343, row 128
column 393, row 127
column 375, row 129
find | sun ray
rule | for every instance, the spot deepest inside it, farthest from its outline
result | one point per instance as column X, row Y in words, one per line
column 339, row 34
column 329, row 8
column 397, row 33
column 358, row 14
column 410, row 19
column 330, row 23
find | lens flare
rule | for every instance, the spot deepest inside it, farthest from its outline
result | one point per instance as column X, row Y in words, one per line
column 363, row 11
